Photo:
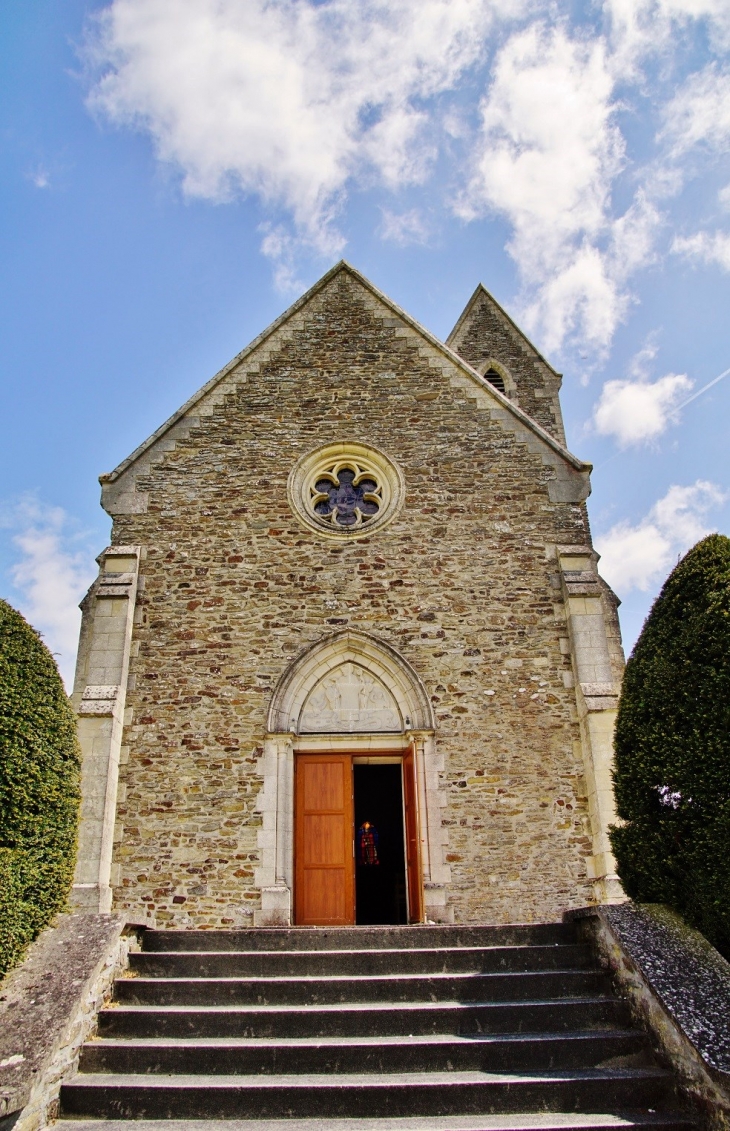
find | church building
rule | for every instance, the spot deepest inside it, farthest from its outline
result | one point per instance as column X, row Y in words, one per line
column 348, row 659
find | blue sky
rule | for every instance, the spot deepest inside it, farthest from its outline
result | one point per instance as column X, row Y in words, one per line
column 175, row 172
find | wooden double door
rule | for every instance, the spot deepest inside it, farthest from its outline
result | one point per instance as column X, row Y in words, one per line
column 324, row 829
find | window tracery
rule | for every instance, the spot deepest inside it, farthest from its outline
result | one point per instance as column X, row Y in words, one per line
column 345, row 490
column 347, row 496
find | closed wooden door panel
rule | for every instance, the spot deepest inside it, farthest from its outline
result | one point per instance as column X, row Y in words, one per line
column 324, row 785
column 324, row 844
column 325, row 900
column 324, row 864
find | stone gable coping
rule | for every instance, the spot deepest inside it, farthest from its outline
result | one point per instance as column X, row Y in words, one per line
column 463, row 317
column 120, row 495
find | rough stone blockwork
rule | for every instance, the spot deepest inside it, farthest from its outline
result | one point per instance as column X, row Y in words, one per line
column 48, row 1008
column 464, row 584
column 486, row 334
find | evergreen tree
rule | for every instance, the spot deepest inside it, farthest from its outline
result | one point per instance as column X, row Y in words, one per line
column 672, row 774
column 39, row 787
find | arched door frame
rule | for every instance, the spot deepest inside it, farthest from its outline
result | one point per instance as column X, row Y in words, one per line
column 275, row 874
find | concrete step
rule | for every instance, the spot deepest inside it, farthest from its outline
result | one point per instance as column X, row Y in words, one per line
column 364, row 1019
column 360, row 938
column 301, row 1096
column 318, row 1055
column 529, row 1121
column 311, row 963
column 355, row 988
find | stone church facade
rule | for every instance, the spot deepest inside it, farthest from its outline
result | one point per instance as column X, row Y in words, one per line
column 356, row 545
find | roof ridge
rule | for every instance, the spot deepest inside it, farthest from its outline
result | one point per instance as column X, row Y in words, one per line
column 442, row 347
column 481, row 289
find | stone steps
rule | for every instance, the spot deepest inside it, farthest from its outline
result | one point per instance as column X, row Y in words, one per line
column 364, row 1019
column 353, row 1094
column 531, row 1121
column 360, row 938
column 353, row 989
column 394, row 960
column 496, row 1028
column 541, row 1052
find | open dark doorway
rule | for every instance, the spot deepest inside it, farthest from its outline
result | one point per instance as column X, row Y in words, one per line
column 380, row 867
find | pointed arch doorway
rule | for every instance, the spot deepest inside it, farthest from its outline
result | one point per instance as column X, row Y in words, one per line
column 350, row 737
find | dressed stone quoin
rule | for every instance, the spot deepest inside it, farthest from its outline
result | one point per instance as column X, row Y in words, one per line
column 356, row 548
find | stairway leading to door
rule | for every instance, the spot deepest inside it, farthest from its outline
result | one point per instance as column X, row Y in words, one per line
column 466, row 1028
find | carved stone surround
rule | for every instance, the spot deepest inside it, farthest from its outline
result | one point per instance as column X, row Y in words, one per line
column 350, row 700
column 350, row 692
column 322, row 501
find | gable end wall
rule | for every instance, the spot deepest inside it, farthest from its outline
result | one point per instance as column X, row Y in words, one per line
column 465, row 584
column 484, row 332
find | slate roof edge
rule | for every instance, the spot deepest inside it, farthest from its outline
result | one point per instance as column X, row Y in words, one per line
column 481, row 289
column 446, row 350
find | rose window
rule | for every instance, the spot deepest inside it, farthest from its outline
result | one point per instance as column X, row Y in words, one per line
column 345, row 490
column 347, row 496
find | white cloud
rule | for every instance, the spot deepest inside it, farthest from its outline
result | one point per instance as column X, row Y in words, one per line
column 639, row 28
column 638, row 556
column 281, row 248
column 699, row 113
column 50, row 577
column 634, row 557
column 286, row 100
column 549, row 153
column 549, row 139
column 641, row 363
column 715, row 13
column 297, row 101
column 695, row 134
column 637, row 412
column 40, row 177
column 403, row 228
column 705, row 247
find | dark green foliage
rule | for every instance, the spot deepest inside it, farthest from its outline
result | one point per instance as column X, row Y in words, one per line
column 39, row 787
column 672, row 775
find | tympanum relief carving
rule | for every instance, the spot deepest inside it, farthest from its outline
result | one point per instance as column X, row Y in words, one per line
column 349, row 700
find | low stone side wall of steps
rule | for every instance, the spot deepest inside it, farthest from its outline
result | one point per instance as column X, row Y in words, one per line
column 471, row 1027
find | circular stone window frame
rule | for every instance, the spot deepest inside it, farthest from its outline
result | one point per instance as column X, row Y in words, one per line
column 315, row 465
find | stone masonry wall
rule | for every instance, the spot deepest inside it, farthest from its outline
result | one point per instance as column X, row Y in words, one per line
column 462, row 584
column 49, row 1008
column 486, row 332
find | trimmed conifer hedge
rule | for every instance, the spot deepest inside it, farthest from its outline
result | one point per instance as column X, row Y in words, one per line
column 672, row 772
column 39, row 787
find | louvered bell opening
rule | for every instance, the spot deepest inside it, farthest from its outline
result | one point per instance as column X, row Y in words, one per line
column 495, row 379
